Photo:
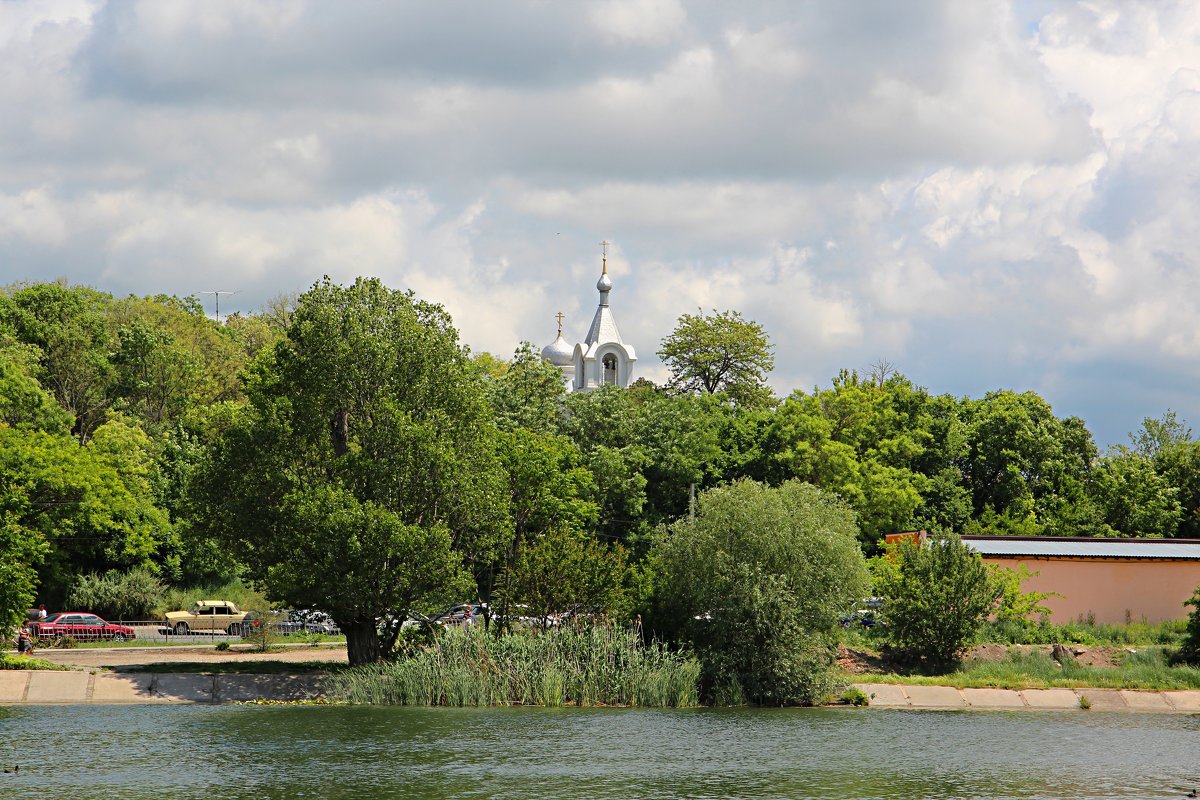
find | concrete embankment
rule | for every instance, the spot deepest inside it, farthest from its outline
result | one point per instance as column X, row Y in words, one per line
column 889, row 695
column 38, row 686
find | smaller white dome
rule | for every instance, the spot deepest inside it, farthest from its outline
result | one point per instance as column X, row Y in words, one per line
column 604, row 284
column 559, row 353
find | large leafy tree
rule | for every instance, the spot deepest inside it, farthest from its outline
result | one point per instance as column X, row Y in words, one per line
column 364, row 477
column 756, row 582
column 565, row 572
column 721, row 352
column 1027, row 469
column 67, row 326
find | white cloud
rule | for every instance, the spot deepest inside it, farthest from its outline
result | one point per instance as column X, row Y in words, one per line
column 989, row 199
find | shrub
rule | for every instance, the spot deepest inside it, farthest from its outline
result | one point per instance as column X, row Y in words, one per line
column 118, row 595
column 1189, row 650
column 756, row 583
column 937, row 595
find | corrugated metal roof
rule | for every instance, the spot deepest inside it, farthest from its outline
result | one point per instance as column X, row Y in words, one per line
column 1084, row 548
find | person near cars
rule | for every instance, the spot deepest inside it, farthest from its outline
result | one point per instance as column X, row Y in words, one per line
column 24, row 641
column 468, row 618
column 41, row 612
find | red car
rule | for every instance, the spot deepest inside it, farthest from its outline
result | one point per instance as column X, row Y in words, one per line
column 81, row 627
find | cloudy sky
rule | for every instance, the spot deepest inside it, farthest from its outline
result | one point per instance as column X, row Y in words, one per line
column 986, row 194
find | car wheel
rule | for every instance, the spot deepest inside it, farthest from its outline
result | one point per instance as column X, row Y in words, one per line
column 181, row 629
column 235, row 629
column 118, row 637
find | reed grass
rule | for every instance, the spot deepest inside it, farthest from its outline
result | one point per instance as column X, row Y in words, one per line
column 584, row 666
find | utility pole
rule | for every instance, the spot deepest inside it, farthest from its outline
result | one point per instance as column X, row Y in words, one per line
column 217, row 301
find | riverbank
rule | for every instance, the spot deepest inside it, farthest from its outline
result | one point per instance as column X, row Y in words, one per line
column 28, row 687
column 894, row 695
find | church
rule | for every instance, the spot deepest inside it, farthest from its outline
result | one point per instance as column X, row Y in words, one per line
column 602, row 358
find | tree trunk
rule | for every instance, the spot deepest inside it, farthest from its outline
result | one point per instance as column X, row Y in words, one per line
column 362, row 641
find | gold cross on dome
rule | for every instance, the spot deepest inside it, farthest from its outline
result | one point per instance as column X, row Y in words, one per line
column 559, row 317
column 604, row 255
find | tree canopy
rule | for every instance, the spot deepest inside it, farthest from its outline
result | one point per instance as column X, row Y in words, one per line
column 364, row 475
column 756, row 582
column 722, row 352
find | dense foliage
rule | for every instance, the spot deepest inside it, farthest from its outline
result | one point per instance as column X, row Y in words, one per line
column 348, row 426
column 756, row 582
column 936, row 595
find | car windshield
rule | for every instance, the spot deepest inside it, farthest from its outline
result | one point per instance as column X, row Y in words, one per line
column 52, row 618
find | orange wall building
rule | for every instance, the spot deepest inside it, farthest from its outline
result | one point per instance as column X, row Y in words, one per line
column 1112, row 580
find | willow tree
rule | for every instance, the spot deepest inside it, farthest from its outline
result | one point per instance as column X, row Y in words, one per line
column 363, row 480
column 756, row 582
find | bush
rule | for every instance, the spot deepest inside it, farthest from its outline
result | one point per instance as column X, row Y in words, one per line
column 118, row 595
column 937, row 595
column 756, row 583
column 1189, row 650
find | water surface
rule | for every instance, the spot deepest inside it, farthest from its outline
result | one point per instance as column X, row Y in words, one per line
column 84, row 752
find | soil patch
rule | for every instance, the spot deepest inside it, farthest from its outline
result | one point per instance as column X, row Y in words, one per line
column 857, row 662
column 118, row 658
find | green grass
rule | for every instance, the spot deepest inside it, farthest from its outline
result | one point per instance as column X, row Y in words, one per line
column 1146, row 669
column 586, row 666
column 1138, row 634
column 8, row 661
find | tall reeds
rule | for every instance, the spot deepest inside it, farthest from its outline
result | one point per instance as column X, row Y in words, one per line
column 585, row 666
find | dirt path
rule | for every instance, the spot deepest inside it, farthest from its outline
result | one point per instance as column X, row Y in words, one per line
column 116, row 658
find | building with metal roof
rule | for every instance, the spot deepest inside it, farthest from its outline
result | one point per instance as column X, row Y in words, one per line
column 1105, row 580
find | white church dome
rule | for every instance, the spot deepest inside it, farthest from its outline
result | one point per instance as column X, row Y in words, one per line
column 559, row 353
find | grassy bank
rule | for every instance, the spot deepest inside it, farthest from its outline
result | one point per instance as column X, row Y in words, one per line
column 9, row 661
column 1146, row 669
column 587, row 666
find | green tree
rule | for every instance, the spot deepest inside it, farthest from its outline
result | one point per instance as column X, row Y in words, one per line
column 936, row 596
column 1160, row 434
column 1189, row 649
column 1027, row 469
column 529, row 394
column 719, row 353
column 1133, row 499
column 564, row 572
column 364, row 476
column 68, row 327
column 756, row 583
column 548, row 489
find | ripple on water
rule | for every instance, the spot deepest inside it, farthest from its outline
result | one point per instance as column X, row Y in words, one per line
column 85, row 752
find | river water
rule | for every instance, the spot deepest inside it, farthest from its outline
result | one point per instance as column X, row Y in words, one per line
column 215, row 752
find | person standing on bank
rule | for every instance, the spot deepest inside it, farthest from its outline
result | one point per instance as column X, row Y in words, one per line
column 24, row 641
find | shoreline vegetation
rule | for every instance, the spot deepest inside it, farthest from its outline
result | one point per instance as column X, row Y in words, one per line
column 597, row 665
column 1147, row 669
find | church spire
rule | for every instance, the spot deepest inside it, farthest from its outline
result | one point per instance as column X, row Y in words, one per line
column 604, row 285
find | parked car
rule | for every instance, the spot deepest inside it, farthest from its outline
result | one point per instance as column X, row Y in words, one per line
column 306, row 620
column 80, row 626
column 207, row 616
column 455, row 615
